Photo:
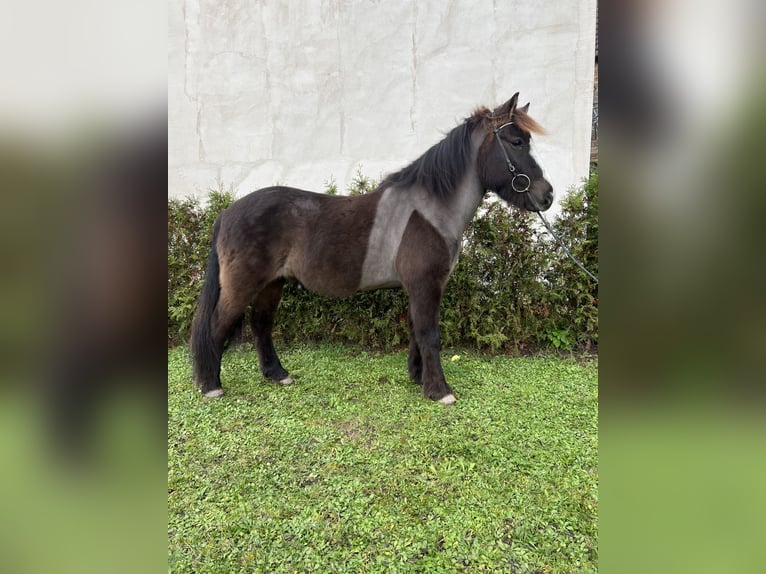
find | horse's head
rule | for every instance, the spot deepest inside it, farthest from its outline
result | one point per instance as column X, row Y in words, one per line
column 505, row 163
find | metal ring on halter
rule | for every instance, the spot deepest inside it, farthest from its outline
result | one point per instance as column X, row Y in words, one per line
column 513, row 182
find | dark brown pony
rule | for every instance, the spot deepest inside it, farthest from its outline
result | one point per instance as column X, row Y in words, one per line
column 406, row 233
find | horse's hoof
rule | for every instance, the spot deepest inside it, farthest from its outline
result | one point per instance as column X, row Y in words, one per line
column 286, row 381
column 214, row 394
column 448, row 399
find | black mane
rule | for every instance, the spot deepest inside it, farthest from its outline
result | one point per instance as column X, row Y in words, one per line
column 441, row 167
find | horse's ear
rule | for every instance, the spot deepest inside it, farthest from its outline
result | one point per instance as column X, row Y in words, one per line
column 507, row 109
column 525, row 109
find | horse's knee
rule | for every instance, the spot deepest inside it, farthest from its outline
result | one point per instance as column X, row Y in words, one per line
column 428, row 338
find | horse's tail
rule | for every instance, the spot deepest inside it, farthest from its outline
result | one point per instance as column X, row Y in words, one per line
column 205, row 356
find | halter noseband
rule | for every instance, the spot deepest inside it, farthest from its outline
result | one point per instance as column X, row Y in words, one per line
column 511, row 167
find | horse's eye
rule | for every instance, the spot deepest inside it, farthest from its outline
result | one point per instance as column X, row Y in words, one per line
column 517, row 142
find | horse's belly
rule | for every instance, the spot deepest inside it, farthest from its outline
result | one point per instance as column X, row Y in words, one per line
column 325, row 278
column 381, row 284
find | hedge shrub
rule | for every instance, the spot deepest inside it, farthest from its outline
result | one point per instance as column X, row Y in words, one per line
column 512, row 289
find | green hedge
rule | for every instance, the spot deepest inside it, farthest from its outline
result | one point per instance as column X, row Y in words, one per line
column 512, row 289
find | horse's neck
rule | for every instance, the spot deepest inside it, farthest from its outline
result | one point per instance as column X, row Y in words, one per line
column 465, row 200
column 450, row 214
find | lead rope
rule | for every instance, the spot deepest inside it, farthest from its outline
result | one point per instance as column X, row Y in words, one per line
column 561, row 243
column 516, row 175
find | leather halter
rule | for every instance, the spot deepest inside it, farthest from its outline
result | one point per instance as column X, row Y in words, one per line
column 524, row 182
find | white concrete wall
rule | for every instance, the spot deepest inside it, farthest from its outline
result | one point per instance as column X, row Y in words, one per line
column 264, row 92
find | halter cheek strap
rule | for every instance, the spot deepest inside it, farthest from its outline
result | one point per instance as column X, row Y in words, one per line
column 520, row 182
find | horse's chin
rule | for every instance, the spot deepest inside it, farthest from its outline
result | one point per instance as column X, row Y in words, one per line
column 541, row 205
column 523, row 201
column 516, row 199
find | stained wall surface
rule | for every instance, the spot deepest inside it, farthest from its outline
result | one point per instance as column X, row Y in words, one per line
column 302, row 92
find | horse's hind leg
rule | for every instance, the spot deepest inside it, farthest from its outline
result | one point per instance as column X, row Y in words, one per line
column 236, row 291
column 262, row 321
column 228, row 312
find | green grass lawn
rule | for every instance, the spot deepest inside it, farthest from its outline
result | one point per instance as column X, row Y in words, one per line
column 351, row 470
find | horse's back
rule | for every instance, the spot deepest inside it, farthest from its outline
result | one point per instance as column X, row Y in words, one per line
column 318, row 239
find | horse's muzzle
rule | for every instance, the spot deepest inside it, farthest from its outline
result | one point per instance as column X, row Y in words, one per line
column 542, row 194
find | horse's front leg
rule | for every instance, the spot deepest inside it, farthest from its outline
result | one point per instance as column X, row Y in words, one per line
column 423, row 265
column 424, row 314
column 414, row 360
